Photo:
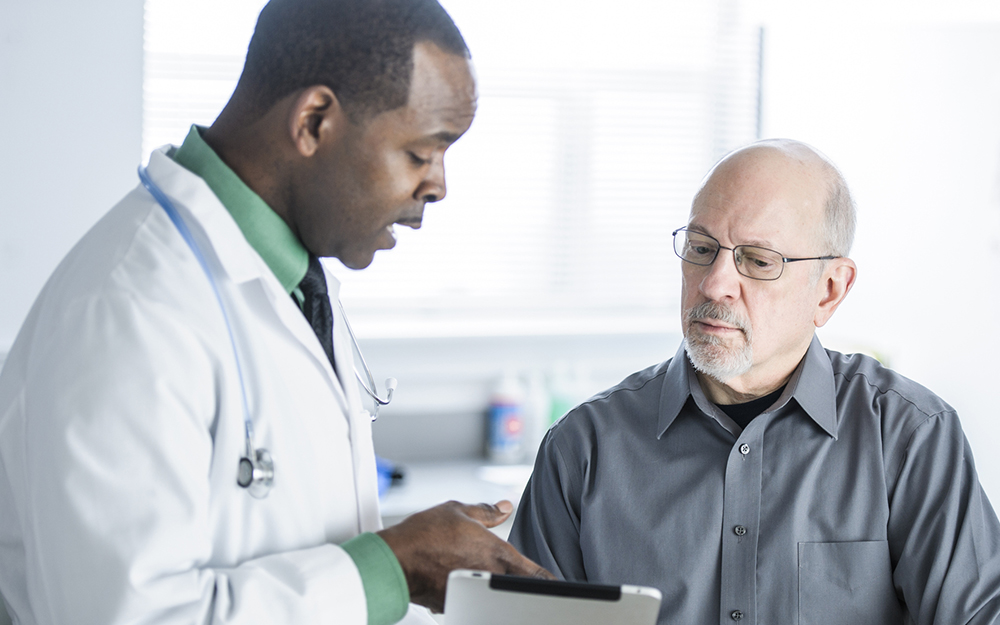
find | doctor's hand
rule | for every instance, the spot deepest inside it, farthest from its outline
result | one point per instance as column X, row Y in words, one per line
column 431, row 544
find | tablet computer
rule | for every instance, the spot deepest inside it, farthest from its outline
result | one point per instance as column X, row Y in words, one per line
column 481, row 598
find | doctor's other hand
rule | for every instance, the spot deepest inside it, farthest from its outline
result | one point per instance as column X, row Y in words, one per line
column 431, row 544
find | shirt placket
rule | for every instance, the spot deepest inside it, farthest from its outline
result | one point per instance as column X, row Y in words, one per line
column 740, row 528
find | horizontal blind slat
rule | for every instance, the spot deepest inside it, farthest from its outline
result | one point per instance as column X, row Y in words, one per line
column 563, row 195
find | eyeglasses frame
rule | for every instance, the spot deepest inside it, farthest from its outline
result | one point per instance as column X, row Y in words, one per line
column 784, row 259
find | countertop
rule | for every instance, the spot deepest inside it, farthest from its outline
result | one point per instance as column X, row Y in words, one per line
column 469, row 481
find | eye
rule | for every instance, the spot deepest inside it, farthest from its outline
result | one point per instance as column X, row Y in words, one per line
column 758, row 260
column 699, row 250
column 417, row 160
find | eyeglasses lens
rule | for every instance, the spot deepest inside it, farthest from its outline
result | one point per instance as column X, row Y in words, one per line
column 753, row 262
column 695, row 248
column 758, row 263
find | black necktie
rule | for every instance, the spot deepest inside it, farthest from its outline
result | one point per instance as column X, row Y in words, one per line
column 316, row 306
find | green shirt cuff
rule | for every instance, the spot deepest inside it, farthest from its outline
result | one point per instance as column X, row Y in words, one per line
column 386, row 590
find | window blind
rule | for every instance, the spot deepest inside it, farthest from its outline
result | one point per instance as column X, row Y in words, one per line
column 595, row 126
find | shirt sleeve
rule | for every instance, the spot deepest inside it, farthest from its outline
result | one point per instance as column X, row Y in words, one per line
column 386, row 590
column 546, row 528
column 944, row 536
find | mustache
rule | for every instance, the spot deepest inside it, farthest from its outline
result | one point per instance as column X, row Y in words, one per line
column 714, row 310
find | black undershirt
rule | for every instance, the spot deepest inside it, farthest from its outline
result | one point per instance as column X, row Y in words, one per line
column 743, row 414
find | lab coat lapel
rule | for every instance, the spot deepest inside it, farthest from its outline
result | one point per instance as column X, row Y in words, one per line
column 216, row 230
column 207, row 218
column 365, row 472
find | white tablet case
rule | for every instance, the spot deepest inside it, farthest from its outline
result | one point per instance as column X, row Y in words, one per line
column 479, row 598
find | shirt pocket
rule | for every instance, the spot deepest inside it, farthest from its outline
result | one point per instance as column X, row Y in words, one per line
column 847, row 583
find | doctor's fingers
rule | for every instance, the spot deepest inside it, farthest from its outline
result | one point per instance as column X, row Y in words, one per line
column 487, row 514
column 500, row 556
column 517, row 564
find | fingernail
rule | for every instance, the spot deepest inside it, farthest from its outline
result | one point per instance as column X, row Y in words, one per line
column 505, row 506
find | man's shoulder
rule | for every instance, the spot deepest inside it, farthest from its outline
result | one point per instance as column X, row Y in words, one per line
column 128, row 264
column 135, row 247
column 110, row 239
column 124, row 251
column 891, row 393
column 632, row 402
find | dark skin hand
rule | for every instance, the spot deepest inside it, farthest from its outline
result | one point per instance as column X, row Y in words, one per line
column 431, row 544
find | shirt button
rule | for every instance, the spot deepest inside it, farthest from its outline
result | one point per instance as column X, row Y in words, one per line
column 736, row 615
column 744, row 449
column 740, row 530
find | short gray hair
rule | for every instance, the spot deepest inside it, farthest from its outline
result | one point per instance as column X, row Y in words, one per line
column 841, row 212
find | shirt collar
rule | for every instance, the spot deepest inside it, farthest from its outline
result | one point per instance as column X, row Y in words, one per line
column 811, row 385
column 264, row 229
column 676, row 390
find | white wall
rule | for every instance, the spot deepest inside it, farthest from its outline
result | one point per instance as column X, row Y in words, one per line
column 70, row 131
column 911, row 114
column 71, row 111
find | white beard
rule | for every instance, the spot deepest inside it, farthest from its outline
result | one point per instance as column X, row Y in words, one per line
column 709, row 354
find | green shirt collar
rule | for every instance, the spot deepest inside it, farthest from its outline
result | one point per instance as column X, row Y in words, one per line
column 266, row 232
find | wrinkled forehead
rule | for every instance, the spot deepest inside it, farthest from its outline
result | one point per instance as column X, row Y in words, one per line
column 764, row 196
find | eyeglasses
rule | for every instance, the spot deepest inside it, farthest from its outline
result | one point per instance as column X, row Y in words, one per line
column 751, row 261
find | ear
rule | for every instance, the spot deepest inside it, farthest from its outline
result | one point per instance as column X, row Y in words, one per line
column 837, row 280
column 315, row 117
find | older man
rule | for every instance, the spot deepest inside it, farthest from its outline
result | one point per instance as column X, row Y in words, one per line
column 757, row 477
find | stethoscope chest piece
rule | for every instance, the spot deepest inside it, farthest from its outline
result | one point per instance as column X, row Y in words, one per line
column 257, row 475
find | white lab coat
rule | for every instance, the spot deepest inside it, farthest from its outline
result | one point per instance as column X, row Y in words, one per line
column 121, row 429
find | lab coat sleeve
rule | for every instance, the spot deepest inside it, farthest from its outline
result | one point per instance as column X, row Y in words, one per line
column 109, row 461
column 418, row 615
column 944, row 536
column 546, row 528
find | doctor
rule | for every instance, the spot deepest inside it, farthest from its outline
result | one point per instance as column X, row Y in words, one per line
column 121, row 413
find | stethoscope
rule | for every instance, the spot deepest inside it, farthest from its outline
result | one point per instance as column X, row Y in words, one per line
column 256, row 468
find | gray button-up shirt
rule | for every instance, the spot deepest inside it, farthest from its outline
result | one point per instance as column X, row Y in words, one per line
column 853, row 499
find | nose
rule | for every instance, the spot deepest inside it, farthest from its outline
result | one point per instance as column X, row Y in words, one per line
column 721, row 281
column 432, row 188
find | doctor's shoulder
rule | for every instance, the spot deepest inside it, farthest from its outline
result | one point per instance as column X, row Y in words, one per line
column 129, row 277
column 133, row 246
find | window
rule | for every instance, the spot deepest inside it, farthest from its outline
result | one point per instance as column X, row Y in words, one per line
column 594, row 128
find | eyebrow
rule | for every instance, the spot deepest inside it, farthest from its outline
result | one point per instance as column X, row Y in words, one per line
column 444, row 136
column 753, row 243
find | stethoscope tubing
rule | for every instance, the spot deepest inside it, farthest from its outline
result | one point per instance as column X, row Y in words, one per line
column 368, row 372
column 175, row 217
column 256, row 467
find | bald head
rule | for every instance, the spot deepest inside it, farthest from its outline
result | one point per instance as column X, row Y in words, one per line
column 773, row 164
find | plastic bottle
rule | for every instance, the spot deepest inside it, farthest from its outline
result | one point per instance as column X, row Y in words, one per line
column 506, row 421
column 537, row 409
column 565, row 393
